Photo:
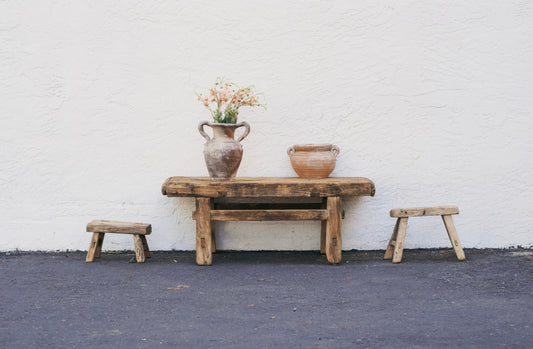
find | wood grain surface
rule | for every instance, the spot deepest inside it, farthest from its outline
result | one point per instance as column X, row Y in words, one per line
column 249, row 187
column 104, row 226
column 424, row 211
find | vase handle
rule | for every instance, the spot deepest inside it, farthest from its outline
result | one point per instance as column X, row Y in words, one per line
column 335, row 150
column 246, row 130
column 201, row 129
column 290, row 151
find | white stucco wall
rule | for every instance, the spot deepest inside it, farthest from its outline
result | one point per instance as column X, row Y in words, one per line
column 433, row 100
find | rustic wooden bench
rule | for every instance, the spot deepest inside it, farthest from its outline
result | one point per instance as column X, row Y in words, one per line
column 210, row 206
column 395, row 248
column 100, row 227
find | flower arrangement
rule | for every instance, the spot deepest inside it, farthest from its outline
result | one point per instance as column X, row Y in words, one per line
column 225, row 98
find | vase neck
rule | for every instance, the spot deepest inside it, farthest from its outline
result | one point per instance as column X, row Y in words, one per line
column 223, row 130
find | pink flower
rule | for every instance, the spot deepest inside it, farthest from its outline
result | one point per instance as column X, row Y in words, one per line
column 224, row 94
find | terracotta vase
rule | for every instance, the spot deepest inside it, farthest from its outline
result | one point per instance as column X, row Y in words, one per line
column 313, row 160
column 223, row 153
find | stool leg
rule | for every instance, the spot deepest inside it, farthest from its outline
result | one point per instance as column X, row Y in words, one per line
column 99, row 245
column 95, row 240
column 392, row 242
column 400, row 239
column 147, row 253
column 139, row 248
column 454, row 238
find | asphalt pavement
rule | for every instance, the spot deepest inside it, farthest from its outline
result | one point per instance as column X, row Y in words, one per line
column 268, row 300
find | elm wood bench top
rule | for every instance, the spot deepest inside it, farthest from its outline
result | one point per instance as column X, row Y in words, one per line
column 329, row 211
column 252, row 187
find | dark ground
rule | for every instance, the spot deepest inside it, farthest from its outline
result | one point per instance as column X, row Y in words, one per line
column 268, row 300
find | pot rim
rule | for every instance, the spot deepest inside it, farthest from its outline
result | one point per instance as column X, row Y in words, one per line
column 313, row 147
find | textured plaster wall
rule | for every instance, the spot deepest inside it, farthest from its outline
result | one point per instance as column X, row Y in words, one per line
column 433, row 100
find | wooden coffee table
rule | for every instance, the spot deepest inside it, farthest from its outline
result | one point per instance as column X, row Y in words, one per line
column 210, row 205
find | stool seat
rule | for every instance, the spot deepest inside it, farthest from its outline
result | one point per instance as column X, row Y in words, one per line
column 119, row 227
column 395, row 248
column 424, row 211
column 100, row 227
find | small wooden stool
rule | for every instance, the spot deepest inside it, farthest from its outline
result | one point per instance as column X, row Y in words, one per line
column 100, row 227
column 395, row 247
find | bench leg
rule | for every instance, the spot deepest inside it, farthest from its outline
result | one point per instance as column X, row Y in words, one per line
column 139, row 248
column 392, row 242
column 454, row 238
column 213, row 237
column 95, row 247
column 147, row 252
column 204, row 235
column 333, row 230
column 323, row 228
column 400, row 239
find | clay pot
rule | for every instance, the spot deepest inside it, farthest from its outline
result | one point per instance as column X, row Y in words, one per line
column 223, row 153
column 313, row 160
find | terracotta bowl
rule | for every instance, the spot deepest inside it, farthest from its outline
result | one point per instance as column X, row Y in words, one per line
column 313, row 160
